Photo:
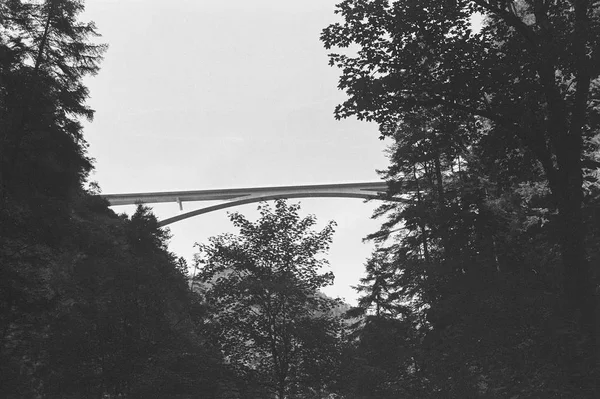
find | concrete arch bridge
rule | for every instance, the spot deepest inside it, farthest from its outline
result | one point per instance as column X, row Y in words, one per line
column 241, row 196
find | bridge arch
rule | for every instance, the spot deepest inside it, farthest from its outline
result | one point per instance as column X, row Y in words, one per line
column 242, row 196
column 250, row 200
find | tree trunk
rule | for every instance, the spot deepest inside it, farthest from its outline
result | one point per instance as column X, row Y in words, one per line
column 443, row 219
column 577, row 274
column 22, row 119
column 579, row 284
column 421, row 224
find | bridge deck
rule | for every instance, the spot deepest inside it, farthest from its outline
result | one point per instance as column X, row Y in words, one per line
column 238, row 193
column 240, row 196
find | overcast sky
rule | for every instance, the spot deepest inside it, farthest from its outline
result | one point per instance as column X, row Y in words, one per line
column 198, row 94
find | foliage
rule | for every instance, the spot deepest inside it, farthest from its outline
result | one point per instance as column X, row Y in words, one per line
column 116, row 316
column 530, row 74
column 91, row 303
column 494, row 147
column 46, row 53
column 262, row 286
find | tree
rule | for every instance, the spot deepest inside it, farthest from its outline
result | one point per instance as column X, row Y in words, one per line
column 531, row 73
column 46, row 53
column 122, row 320
column 92, row 304
column 381, row 294
column 262, row 287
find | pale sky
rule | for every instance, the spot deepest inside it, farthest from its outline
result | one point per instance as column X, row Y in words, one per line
column 198, row 94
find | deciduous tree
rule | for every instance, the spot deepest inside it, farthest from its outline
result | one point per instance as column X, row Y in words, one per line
column 263, row 290
column 530, row 72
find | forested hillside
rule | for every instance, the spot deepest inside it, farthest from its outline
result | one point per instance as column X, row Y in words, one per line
column 91, row 303
column 486, row 283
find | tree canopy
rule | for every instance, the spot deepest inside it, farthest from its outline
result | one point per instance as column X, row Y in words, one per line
column 92, row 304
column 529, row 75
column 262, row 288
column 494, row 133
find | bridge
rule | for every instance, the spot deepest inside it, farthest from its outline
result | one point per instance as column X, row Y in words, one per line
column 241, row 196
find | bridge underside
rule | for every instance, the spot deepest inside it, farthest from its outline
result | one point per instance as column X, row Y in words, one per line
column 241, row 196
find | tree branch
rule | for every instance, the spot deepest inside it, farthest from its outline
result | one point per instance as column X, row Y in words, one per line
column 512, row 20
column 488, row 114
column 535, row 142
column 582, row 69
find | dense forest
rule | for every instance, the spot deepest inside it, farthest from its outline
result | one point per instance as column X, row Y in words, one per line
column 487, row 279
column 92, row 305
column 484, row 281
